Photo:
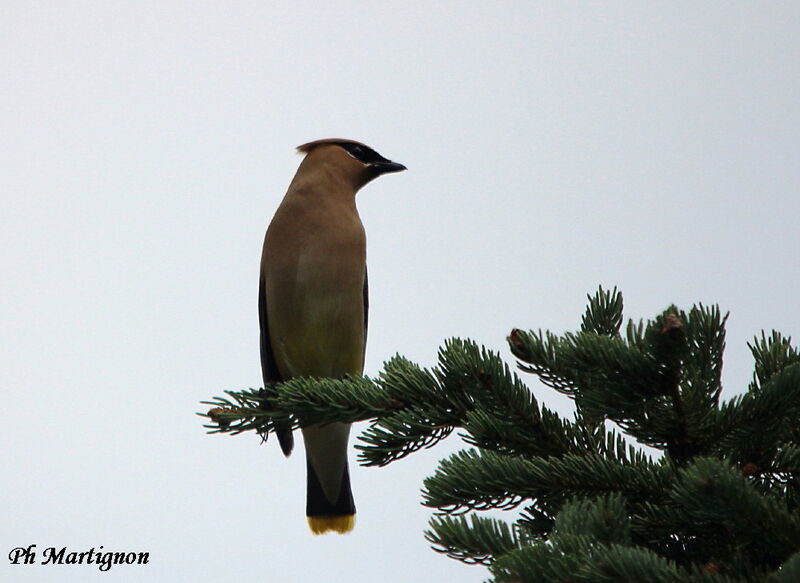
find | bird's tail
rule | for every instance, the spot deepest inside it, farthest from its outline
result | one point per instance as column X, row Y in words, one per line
column 323, row 515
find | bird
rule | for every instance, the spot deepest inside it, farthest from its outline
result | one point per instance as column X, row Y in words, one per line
column 313, row 305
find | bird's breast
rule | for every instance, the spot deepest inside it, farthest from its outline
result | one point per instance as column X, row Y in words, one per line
column 315, row 304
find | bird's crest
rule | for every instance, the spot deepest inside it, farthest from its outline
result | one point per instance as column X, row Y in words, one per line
column 306, row 148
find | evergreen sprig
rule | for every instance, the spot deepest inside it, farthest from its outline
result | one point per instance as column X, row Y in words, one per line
column 652, row 478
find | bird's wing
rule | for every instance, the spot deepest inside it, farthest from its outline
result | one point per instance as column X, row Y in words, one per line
column 269, row 369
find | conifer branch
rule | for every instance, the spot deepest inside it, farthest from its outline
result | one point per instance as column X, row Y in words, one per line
column 771, row 354
column 480, row 480
column 477, row 540
column 717, row 502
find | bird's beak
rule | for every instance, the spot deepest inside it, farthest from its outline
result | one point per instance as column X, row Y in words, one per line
column 387, row 166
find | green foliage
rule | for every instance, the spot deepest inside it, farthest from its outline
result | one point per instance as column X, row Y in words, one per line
column 772, row 355
column 713, row 497
column 477, row 540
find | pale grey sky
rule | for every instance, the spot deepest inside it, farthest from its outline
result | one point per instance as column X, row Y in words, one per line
column 551, row 147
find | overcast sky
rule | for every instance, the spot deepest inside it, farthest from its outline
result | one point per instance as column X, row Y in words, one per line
column 551, row 147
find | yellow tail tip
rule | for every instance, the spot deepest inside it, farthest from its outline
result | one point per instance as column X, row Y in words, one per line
column 323, row 524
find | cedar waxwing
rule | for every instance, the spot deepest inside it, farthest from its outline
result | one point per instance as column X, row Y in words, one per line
column 312, row 305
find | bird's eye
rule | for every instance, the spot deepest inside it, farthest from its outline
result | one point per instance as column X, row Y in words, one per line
column 361, row 153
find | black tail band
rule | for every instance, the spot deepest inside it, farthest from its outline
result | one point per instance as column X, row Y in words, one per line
column 317, row 504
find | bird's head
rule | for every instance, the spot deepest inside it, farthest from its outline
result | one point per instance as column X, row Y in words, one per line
column 356, row 162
